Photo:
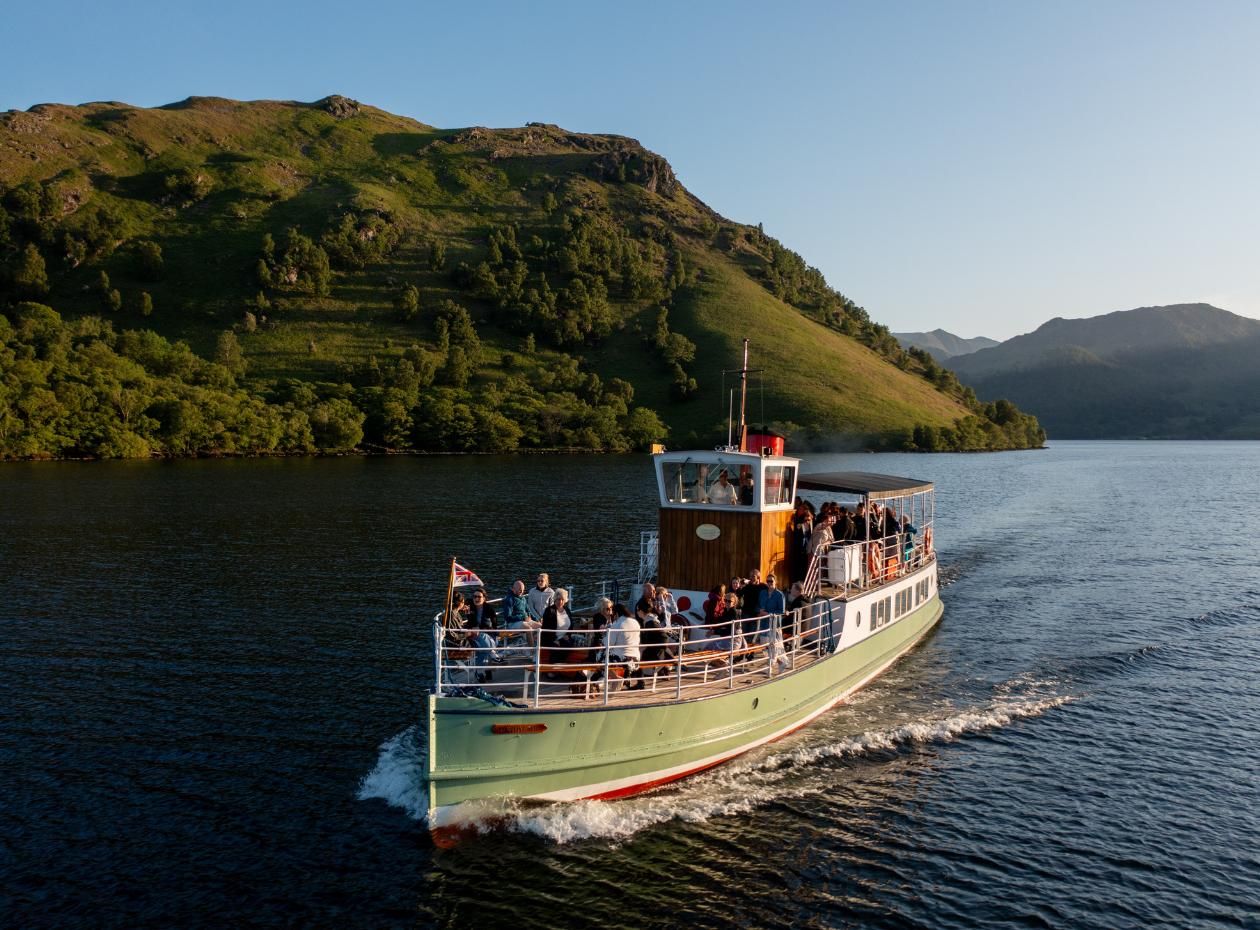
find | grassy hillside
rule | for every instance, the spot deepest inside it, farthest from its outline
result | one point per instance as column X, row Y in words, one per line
column 424, row 288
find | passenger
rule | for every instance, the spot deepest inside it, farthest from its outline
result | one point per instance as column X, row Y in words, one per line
column 623, row 651
column 516, row 613
column 600, row 622
column 908, row 532
column 796, row 604
column 726, row 635
column 773, row 605
column 734, row 620
column 843, row 528
column 482, row 614
column 459, row 611
column 799, row 530
column 651, row 634
column 750, row 594
column 464, row 643
column 746, row 496
column 822, row 537
column 647, row 601
column 541, row 596
column 715, row 606
column 556, row 620
column 723, row 492
column 666, row 606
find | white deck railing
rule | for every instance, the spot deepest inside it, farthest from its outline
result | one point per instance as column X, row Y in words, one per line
column 514, row 665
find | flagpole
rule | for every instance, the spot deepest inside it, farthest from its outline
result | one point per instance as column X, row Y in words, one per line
column 450, row 591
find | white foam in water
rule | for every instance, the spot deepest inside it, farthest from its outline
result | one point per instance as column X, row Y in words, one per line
column 398, row 778
column 735, row 788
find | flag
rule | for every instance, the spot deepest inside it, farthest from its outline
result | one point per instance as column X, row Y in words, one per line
column 813, row 576
column 466, row 578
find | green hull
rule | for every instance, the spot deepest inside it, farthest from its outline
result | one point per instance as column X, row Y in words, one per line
column 607, row 752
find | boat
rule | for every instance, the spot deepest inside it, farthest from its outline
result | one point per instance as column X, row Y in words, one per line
column 519, row 719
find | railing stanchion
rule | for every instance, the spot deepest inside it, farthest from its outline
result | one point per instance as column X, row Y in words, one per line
column 537, row 665
column 678, row 679
column 730, row 659
column 437, row 657
column 607, row 682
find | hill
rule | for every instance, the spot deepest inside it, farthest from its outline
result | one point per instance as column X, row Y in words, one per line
column 359, row 279
column 942, row 345
column 1184, row 371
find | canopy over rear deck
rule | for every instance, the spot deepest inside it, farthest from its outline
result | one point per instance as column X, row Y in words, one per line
column 867, row 484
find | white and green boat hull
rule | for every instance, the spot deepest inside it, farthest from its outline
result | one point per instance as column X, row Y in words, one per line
column 614, row 751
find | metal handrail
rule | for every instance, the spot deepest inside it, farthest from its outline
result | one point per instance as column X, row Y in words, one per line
column 690, row 660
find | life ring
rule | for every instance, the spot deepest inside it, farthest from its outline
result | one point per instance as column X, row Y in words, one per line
column 927, row 540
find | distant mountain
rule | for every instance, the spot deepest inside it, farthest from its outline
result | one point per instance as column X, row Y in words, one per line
column 1186, row 371
column 942, row 345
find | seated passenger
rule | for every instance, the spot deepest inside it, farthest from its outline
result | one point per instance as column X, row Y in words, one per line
column 459, row 610
column 481, row 614
column 651, row 635
column 647, row 600
column 666, row 606
column 623, row 651
column 556, row 621
column 516, row 612
column 715, row 606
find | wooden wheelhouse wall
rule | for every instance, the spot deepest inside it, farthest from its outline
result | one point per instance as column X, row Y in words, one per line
column 745, row 540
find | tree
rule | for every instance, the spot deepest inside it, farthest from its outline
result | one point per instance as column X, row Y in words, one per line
column 642, row 427
column 337, row 425
column 437, row 255
column 549, row 203
column 407, row 303
column 113, row 300
column 458, row 368
column 149, row 259
column 30, row 278
column 145, row 304
column 227, row 352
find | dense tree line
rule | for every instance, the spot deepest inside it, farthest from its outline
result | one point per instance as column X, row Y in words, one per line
column 82, row 389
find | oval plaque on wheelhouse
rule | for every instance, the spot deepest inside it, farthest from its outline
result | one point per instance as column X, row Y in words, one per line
column 708, row 531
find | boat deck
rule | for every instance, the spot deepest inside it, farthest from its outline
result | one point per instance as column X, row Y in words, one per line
column 566, row 687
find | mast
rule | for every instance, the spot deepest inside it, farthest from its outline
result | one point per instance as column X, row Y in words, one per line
column 743, row 401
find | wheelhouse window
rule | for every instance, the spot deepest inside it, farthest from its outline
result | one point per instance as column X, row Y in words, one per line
column 712, row 484
column 780, row 484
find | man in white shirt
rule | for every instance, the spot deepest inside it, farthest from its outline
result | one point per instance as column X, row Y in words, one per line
column 723, row 492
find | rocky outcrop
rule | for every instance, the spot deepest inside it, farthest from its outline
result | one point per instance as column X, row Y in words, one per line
column 339, row 107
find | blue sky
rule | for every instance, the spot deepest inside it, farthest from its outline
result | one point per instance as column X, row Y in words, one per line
column 979, row 166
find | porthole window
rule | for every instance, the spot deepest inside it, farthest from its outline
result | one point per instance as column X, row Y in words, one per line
column 859, row 618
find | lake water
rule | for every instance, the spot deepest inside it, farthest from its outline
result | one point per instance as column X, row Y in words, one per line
column 210, row 675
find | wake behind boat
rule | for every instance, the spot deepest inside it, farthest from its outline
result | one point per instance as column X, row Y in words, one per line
column 609, row 703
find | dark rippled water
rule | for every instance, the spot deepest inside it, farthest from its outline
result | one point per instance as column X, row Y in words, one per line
column 210, row 673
